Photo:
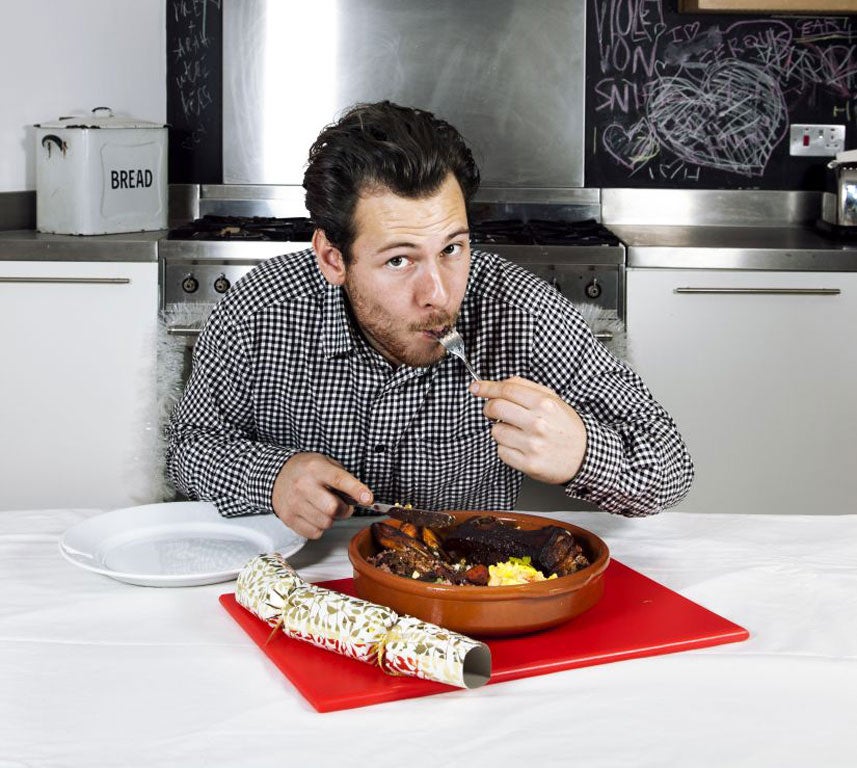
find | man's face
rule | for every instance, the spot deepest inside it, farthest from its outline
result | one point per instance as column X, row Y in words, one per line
column 408, row 271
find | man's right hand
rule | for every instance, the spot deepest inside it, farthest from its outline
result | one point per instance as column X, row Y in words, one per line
column 305, row 493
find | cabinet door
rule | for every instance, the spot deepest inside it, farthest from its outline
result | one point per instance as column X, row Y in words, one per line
column 760, row 379
column 77, row 393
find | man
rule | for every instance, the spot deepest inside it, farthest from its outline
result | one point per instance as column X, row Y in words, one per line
column 319, row 376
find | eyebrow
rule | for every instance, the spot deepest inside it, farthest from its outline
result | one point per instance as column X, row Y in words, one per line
column 409, row 244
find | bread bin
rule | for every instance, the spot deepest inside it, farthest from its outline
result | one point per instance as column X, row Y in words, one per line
column 100, row 174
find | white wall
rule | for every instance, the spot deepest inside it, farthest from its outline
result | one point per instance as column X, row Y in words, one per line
column 62, row 57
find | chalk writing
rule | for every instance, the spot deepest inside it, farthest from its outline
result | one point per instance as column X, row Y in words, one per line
column 194, row 76
column 671, row 95
column 189, row 49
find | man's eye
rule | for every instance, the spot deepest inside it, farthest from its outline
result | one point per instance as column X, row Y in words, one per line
column 397, row 262
column 452, row 249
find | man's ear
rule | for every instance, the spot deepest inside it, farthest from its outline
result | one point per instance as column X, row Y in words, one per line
column 329, row 258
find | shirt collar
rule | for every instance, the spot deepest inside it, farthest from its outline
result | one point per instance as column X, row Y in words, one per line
column 340, row 335
column 466, row 311
column 336, row 337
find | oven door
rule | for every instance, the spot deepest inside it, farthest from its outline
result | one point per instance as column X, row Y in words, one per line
column 178, row 330
column 597, row 292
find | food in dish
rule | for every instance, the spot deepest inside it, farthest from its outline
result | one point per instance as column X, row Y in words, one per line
column 465, row 554
column 489, row 611
column 515, row 570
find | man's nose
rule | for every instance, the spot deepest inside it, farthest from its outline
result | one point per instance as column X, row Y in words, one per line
column 432, row 289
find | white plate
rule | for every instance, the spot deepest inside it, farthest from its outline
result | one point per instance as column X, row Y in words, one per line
column 175, row 544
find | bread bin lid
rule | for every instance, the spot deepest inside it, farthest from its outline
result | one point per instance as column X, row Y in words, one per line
column 101, row 117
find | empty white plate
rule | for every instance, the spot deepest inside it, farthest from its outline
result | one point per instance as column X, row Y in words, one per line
column 174, row 544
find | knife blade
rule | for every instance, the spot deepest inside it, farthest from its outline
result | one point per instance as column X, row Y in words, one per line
column 421, row 517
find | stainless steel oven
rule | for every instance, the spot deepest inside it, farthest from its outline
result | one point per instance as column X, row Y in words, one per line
column 201, row 260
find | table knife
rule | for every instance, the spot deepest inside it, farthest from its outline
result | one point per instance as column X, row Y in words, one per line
column 421, row 517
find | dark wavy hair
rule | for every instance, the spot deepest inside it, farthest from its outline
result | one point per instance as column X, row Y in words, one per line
column 381, row 146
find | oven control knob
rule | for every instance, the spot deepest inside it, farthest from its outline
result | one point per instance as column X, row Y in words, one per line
column 222, row 284
column 593, row 290
column 190, row 284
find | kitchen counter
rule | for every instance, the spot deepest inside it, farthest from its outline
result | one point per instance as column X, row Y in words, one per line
column 99, row 673
column 29, row 245
column 785, row 247
column 795, row 248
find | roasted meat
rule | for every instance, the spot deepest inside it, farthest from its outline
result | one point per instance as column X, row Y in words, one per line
column 489, row 540
column 406, row 555
column 465, row 552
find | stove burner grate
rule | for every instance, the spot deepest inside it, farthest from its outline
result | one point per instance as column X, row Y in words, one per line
column 244, row 228
column 491, row 232
column 541, row 232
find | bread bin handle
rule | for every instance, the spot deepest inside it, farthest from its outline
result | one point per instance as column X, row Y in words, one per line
column 52, row 138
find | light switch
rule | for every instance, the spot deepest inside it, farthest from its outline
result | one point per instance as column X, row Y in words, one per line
column 816, row 140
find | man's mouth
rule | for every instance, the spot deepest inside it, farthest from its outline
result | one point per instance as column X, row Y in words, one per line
column 435, row 331
column 436, row 334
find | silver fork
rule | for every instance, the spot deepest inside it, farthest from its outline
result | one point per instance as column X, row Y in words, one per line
column 454, row 345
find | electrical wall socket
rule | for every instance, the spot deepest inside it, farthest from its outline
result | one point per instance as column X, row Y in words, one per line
column 816, row 140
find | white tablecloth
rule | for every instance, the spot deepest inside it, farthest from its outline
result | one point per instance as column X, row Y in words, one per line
column 94, row 672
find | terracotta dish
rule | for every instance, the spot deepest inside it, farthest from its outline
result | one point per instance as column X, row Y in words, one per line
column 487, row 611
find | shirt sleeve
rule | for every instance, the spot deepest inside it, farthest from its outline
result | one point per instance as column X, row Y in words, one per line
column 212, row 450
column 636, row 462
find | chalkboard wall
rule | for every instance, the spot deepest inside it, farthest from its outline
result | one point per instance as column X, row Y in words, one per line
column 673, row 99
column 702, row 100
column 194, row 102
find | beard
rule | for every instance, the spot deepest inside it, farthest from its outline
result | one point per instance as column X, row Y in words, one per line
column 399, row 342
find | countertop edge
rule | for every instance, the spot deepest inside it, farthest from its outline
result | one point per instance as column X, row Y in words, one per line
column 788, row 248
column 29, row 245
column 784, row 248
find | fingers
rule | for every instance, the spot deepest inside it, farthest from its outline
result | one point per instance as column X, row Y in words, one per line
column 540, row 434
column 304, row 527
column 515, row 400
column 523, row 392
column 308, row 493
column 522, row 446
column 344, row 484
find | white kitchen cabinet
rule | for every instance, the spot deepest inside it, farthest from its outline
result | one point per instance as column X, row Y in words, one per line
column 77, row 383
column 761, row 379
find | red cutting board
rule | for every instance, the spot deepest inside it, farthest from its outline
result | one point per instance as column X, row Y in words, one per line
column 635, row 617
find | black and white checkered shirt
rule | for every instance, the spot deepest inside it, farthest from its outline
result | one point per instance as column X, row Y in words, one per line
column 280, row 369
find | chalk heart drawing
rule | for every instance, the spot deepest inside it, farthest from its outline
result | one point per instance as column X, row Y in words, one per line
column 631, row 147
column 730, row 120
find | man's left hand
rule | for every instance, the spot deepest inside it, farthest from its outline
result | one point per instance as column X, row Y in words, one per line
column 536, row 432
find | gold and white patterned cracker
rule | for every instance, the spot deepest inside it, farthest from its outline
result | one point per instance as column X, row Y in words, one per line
column 340, row 623
column 264, row 585
column 375, row 634
column 420, row 649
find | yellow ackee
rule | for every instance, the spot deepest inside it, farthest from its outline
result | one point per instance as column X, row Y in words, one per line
column 515, row 570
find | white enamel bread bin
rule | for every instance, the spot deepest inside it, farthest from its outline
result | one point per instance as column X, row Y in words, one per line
column 100, row 174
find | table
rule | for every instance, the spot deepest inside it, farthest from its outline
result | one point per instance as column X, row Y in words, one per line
column 94, row 672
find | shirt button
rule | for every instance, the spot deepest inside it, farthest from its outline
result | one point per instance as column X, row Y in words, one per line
column 379, row 448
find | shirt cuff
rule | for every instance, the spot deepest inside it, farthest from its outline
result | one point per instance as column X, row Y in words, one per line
column 602, row 463
column 267, row 463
